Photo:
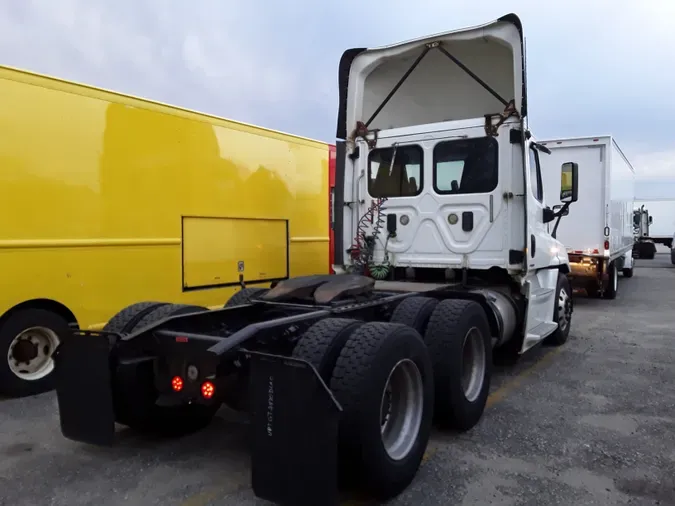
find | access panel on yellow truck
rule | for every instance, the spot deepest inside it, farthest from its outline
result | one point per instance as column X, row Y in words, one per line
column 108, row 199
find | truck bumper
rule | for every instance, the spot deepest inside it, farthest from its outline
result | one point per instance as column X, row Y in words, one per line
column 294, row 416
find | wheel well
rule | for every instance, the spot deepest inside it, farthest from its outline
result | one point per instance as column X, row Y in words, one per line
column 564, row 268
column 47, row 305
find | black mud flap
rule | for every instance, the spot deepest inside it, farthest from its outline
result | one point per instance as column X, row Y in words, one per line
column 295, row 429
column 83, row 387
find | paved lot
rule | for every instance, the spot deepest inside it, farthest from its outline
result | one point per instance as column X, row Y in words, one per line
column 590, row 423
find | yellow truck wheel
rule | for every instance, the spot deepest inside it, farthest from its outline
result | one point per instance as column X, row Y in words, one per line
column 28, row 337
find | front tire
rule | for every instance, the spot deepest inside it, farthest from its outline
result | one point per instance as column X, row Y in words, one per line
column 383, row 379
column 28, row 338
column 562, row 313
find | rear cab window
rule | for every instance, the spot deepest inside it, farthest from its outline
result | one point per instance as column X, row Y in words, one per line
column 403, row 178
column 466, row 166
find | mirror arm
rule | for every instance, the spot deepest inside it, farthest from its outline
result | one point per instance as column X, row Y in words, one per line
column 559, row 215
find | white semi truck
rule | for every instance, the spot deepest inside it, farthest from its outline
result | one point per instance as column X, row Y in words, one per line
column 655, row 221
column 644, row 246
column 438, row 197
column 598, row 231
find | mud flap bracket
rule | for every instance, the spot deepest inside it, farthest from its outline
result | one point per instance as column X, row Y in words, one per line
column 83, row 387
column 295, row 432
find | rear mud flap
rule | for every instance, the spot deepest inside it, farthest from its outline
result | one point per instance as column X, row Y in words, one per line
column 83, row 388
column 295, row 429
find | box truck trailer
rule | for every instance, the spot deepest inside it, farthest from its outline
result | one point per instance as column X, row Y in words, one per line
column 598, row 232
column 107, row 199
column 442, row 254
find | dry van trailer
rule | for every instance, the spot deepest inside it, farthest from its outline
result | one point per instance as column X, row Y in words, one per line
column 107, row 199
column 598, row 232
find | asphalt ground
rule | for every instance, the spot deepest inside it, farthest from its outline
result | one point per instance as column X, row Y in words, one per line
column 592, row 422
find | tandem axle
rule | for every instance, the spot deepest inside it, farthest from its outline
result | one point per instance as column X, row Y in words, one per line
column 336, row 376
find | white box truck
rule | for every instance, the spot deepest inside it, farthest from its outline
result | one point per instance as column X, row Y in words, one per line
column 598, row 232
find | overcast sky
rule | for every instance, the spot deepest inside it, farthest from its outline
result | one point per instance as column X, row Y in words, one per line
column 594, row 67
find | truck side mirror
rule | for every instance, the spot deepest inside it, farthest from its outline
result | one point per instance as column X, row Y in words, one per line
column 650, row 220
column 569, row 182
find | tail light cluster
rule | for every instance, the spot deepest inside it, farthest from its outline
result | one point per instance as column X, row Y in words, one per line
column 606, row 244
column 208, row 389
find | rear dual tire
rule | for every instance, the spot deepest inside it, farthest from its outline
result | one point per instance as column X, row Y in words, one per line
column 458, row 337
column 381, row 375
column 372, row 368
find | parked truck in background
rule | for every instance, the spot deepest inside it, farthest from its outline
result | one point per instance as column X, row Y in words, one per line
column 598, row 232
column 657, row 224
column 107, row 199
column 644, row 246
column 442, row 253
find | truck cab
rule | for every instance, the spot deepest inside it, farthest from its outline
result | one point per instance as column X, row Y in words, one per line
column 440, row 176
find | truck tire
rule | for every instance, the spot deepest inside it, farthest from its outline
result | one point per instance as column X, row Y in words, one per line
column 562, row 313
column 648, row 251
column 244, row 296
column 322, row 343
column 458, row 335
column 126, row 319
column 383, row 379
column 627, row 272
column 414, row 312
column 28, row 337
column 612, row 283
column 135, row 396
column 164, row 311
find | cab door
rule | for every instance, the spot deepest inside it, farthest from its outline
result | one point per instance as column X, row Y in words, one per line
column 540, row 256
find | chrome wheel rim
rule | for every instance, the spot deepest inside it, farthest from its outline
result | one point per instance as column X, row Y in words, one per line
column 564, row 309
column 401, row 409
column 30, row 353
column 473, row 364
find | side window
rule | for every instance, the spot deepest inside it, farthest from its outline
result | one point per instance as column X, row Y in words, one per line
column 535, row 176
column 466, row 166
column 403, row 178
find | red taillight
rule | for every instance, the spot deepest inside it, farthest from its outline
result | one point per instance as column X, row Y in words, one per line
column 208, row 389
column 606, row 244
column 177, row 383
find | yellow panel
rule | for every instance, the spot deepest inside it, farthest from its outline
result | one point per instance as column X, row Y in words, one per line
column 216, row 251
column 94, row 185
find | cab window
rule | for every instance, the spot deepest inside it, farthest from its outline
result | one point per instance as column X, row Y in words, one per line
column 535, row 175
column 466, row 166
column 402, row 178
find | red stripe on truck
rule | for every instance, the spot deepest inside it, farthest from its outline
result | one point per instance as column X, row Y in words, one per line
column 331, row 197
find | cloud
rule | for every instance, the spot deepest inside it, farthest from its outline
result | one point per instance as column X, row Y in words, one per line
column 593, row 67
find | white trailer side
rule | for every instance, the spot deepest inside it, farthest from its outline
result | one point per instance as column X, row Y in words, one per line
column 598, row 233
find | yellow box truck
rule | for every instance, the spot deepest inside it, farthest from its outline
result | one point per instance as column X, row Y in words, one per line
column 107, row 199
